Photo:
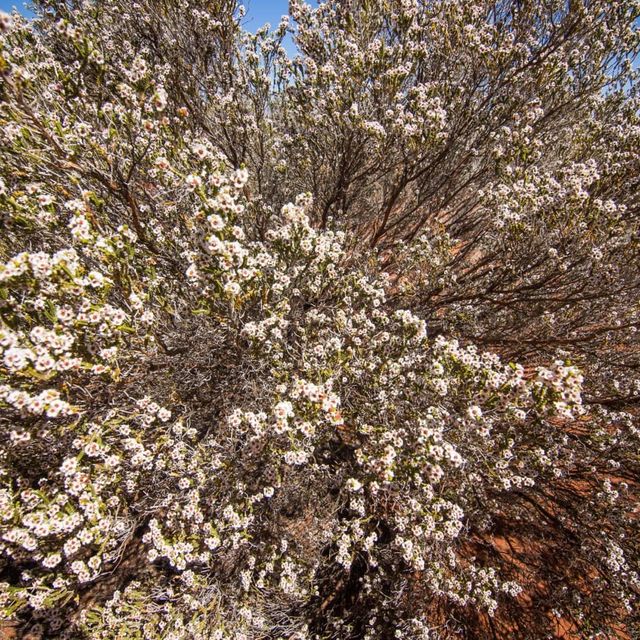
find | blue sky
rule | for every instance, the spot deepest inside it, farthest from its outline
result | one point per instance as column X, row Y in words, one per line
column 7, row 5
column 261, row 11
column 258, row 11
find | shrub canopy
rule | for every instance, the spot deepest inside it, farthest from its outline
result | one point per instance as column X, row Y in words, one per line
column 339, row 346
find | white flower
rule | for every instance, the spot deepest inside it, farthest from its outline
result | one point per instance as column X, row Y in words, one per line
column 474, row 412
column 58, row 407
column 16, row 359
column 283, row 409
column 240, row 178
column 52, row 560
column 232, row 288
column 69, row 466
column 6, row 21
column 135, row 301
column 193, row 181
column 216, row 222
column 95, row 279
column 160, row 99
column 200, row 151
column 192, row 272
column 162, row 163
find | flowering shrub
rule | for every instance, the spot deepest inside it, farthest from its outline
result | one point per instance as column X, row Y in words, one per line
column 343, row 346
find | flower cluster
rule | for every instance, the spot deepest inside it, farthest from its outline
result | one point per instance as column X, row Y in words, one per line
column 337, row 347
